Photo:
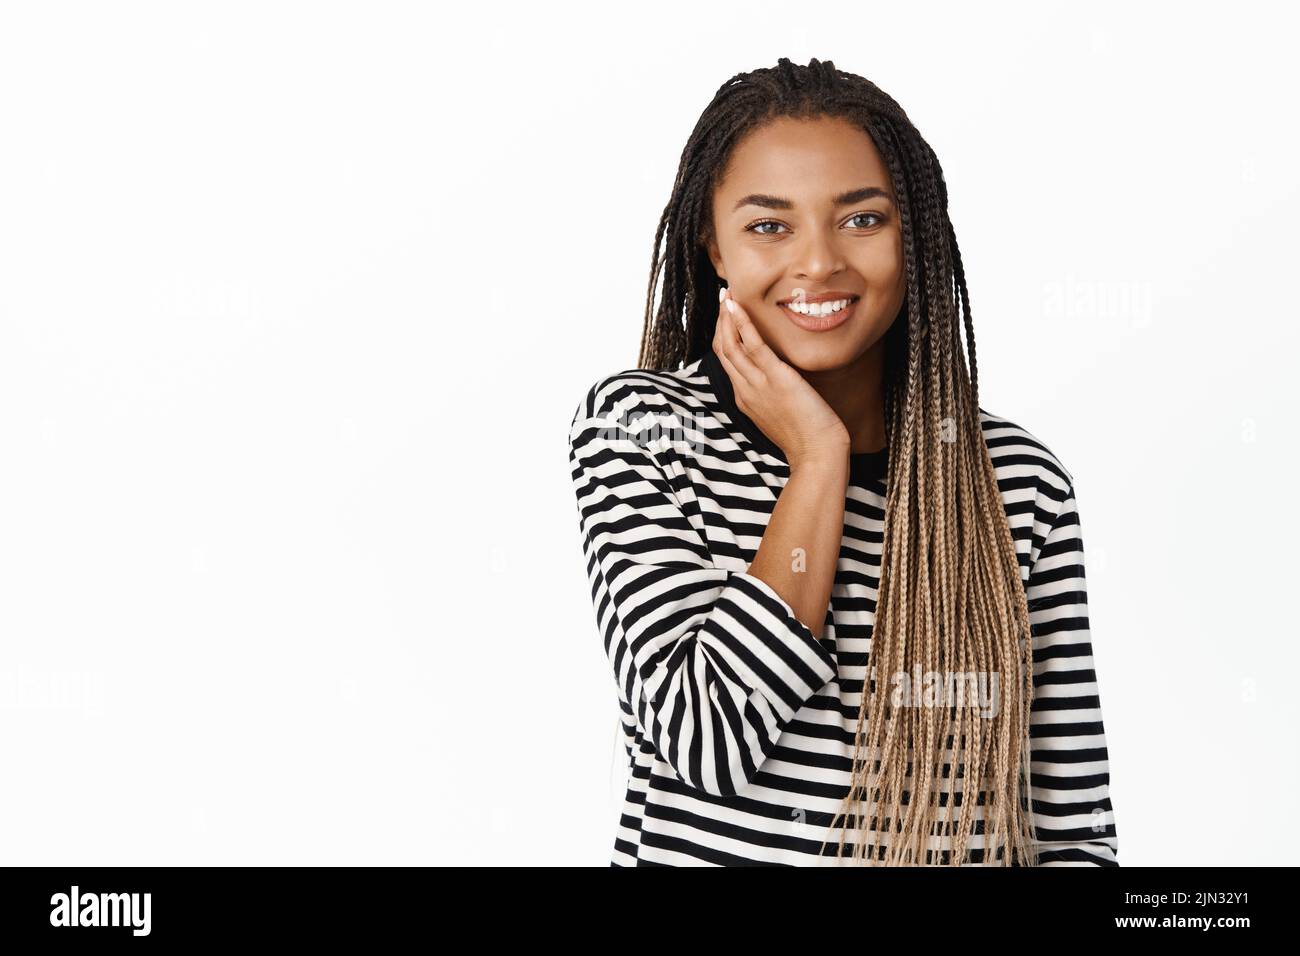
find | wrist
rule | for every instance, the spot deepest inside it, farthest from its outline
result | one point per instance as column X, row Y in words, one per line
column 826, row 458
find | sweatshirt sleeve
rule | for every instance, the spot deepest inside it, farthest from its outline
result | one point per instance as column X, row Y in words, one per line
column 713, row 662
column 1069, row 774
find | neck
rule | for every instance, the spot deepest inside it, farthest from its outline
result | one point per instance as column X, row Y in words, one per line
column 856, row 393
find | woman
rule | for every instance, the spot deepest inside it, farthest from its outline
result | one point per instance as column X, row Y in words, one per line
column 833, row 589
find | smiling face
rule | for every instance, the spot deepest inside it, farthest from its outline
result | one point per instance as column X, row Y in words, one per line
column 806, row 207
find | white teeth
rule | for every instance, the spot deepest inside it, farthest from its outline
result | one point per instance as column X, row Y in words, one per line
column 818, row 308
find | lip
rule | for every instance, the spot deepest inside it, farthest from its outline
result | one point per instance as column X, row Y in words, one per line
column 811, row 323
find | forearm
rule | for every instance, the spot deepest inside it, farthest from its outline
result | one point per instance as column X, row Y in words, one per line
column 800, row 549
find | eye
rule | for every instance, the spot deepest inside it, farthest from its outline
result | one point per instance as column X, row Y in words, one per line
column 757, row 227
column 867, row 215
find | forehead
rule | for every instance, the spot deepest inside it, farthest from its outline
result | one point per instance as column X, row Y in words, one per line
column 805, row 159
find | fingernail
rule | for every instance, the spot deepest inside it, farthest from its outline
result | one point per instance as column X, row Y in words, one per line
column 722, row 293
column 731, row 307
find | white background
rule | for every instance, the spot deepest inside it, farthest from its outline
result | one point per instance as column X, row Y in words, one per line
column 297, row 302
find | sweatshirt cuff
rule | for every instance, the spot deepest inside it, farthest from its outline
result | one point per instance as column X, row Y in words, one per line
column 786, row 662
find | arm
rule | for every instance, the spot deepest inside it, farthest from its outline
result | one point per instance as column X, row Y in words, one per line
column 1070, row 774
column 714, row 663
column 808, row 519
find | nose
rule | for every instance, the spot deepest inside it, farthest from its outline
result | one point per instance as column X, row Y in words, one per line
column 817, row 255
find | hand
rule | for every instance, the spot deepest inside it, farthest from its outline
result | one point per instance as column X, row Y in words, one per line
column 772, row 393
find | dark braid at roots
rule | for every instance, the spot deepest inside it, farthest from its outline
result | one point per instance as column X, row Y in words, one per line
column 951, row 596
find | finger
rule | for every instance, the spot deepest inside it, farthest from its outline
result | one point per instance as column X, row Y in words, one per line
column 751, row 352
column 727, row 340
column 747, row 332
column 732, row 349
column 720, row 324
column 725, row 336
column 730, row 369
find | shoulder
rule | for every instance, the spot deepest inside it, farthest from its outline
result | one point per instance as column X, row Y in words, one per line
column 636, row 392
column 1022, row 460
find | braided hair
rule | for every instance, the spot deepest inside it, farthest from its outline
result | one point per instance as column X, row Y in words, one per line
column 950, row 593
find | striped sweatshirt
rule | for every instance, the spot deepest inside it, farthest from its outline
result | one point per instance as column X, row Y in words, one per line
column 738, row 723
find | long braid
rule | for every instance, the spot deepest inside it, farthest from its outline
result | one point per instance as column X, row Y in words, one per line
column 950, row 596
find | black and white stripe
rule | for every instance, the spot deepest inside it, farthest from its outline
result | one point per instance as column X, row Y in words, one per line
column 738, row 721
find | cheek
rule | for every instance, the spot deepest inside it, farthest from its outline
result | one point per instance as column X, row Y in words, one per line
column 886, row 261
column 900, row 262
column 753, row 275
column 885, row 270
column 771, row 325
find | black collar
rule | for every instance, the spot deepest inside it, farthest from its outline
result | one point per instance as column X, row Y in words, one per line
column 864, row 467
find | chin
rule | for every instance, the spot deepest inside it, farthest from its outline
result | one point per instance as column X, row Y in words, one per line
column 815, row 352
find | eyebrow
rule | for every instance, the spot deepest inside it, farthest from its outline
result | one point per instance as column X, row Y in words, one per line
column 843, row 199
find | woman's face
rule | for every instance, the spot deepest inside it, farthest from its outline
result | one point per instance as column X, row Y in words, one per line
column 806, row 207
